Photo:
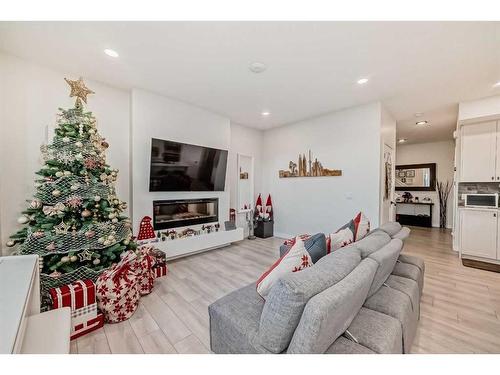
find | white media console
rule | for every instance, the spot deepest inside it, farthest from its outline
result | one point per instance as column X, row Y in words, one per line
column 195, row 244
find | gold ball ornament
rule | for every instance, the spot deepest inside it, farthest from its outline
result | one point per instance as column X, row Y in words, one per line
column 97, row 198
column 56, row 193
column 36, row 204
column 73, row 258
column 115, row 220
column 86, row 213
column 67, row 173
column 59, row 174
column 23, row 219
column 96, row 262
column 10, row 243
column 65, row 259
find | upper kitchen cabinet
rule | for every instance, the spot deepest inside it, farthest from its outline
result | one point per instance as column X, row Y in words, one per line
column 480, row 152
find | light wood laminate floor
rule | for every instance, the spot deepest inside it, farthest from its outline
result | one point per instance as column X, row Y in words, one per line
column 460, row 310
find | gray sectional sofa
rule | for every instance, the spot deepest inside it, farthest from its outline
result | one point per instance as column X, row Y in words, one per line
column 363, row 298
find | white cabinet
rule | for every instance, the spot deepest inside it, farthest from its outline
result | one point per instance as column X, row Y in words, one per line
column 480, row 157
column 478, row 232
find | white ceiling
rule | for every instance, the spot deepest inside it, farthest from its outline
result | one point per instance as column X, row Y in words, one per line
column 312, row 66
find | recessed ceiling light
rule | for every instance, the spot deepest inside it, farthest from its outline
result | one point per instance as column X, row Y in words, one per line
column 402, row 140
column 362, row 81
column 111, row 52
column 421, row 123
column 497, row 84
column 265, row 113
column 257, row 67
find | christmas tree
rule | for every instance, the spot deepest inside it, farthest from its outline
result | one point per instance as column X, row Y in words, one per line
column 74, row 222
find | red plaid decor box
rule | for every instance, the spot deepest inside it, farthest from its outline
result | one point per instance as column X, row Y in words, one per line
column 159, row 261
column 117, row 290
column 81, row 298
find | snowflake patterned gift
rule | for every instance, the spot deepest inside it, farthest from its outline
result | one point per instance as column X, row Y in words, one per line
column 117, row 290
column 143, row 268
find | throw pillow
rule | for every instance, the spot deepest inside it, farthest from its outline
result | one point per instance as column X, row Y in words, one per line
column 316, row 246
column 294, row 260
column 342, row 237
column 361, row 226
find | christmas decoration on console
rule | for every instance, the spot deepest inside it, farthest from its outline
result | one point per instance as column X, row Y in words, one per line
column 146, row 230
column 74, row 221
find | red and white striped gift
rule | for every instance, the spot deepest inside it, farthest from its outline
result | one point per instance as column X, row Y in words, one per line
column 77, row 295
column 82, row 316
column 160, row 270
column 88, row 326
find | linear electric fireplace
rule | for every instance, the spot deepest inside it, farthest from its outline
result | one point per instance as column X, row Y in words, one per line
column 184, row 212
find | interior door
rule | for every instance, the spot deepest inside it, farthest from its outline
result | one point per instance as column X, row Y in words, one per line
column 478, row 232
column 479, row 152
column 388, row 211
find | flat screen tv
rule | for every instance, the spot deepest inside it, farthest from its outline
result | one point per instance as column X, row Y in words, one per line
column 184, row 167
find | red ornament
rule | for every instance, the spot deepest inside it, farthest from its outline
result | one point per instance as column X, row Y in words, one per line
column 146, row 230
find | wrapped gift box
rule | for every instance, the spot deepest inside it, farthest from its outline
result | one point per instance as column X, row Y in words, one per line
column 83, row 316
column 88, row 326
column 77, row 295
column 160, row 270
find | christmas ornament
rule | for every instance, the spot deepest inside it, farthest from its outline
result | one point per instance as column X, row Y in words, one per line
column 38, row 234
column 65, row 259
column 85, row 255
column 57, row 209
column 62, row 228
column 56, row 193
column 90, row 234
column 10, row 243
column 51, row 247
column 97, row 198
column 55, row 274
column 66, row 139
column 36, row 204
column 22, row 219
column 96, row 261
column 67, row 173
column 74, row 201
column 78, row 90
column 73, row 258
column 75, row 187
column 59, row 174
column 86, row 213
column 79, row 144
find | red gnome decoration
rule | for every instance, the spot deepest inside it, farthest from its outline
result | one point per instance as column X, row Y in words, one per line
column 258, row 208
column 146, row 230
column 269, row 208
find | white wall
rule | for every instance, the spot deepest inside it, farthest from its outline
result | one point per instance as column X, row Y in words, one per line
column 387, row 138
column 155, row 116
column 348, row 140
column 249, row 142
column 442, row 153
column 30, row 96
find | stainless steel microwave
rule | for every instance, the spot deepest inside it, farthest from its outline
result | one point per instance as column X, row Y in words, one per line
column 481, row 200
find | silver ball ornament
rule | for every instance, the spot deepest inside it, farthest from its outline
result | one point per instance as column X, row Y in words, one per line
column 96, row 261
column 22, row 219
column 10, row 243
column 56, row 193
column 65, row 259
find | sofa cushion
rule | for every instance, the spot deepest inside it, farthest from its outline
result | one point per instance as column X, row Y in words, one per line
column 408, row 287
column 315, row 246
column 378, row 332
column 371, row 243
column 391, row 228
column 286, row 301
column 294, row 260
column 345, row 346
column 403, row 234
column 328, row 314
column 410, row 271
column 361, row 226
column 394, row 303
column 416, row 261
column 234, row 322
column 386, row 258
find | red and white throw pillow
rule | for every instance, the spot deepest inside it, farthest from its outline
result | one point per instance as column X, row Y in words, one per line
column 341, row 238
column 361, row 226
column 294, row 260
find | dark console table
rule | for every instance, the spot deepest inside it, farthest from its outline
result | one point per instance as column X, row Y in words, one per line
column 414, row 213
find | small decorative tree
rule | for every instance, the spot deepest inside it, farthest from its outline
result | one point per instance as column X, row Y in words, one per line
column 443, row 190
column 74, row 222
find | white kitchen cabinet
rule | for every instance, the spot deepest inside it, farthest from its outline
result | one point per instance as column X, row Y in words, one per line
column 478, row 232
column 480, row 159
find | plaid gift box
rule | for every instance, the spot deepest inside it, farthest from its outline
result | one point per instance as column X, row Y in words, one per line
column 77, row 295
column 160, row 270
column 87, row 326
column 82, row 316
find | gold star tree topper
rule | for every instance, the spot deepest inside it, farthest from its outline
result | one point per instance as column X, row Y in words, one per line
column 79, row 90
